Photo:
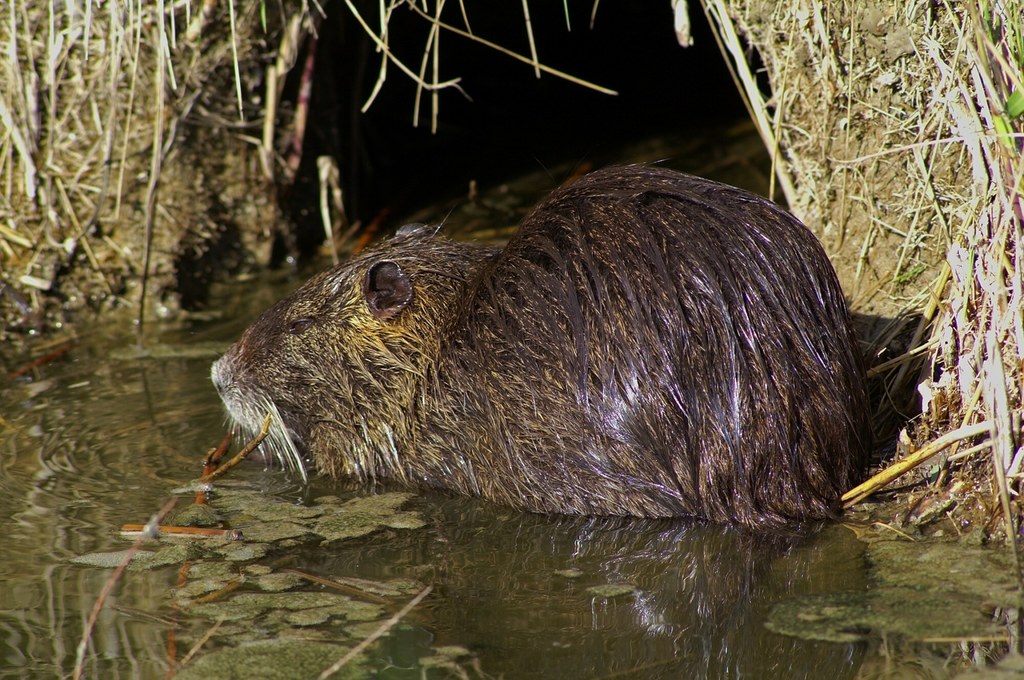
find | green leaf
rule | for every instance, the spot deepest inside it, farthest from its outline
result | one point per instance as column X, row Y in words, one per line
column 1015, row 105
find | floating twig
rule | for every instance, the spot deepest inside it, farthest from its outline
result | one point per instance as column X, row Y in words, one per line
column 108, row 588
column 384, row 628
column 210, row 463
column 45, row 359
column 241, row 455
column 230, row 587
column 215, row 455
column 334, row 584
column 199, row 643
column 134, row 530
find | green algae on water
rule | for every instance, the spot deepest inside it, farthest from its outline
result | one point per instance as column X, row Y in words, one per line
column 610, row 590
column 272, row 660
column 923, row 590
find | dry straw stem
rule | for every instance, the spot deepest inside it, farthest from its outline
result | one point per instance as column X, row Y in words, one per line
column 431, row 52
column 981, row 333
column 882, row 479
column 155, row 154
column 757, row 103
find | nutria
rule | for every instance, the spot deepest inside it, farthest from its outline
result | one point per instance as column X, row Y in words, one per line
column 648, row 343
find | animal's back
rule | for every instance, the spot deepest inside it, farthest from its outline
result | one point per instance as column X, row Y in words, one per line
column 656, row 344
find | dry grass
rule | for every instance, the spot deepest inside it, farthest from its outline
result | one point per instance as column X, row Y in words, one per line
column 900, row 126
column 94, row 99
column 431, row 60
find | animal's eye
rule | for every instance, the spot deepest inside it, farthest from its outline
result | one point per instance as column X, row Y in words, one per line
column 299, row 325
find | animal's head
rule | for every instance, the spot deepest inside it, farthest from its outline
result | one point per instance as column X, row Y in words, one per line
column 339, row 362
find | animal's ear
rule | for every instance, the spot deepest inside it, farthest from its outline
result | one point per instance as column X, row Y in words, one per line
column 388, row 289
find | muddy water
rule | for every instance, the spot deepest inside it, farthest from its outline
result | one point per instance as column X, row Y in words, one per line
column 103, row 436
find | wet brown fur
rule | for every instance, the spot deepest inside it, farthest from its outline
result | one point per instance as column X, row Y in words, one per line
column 648, row 343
